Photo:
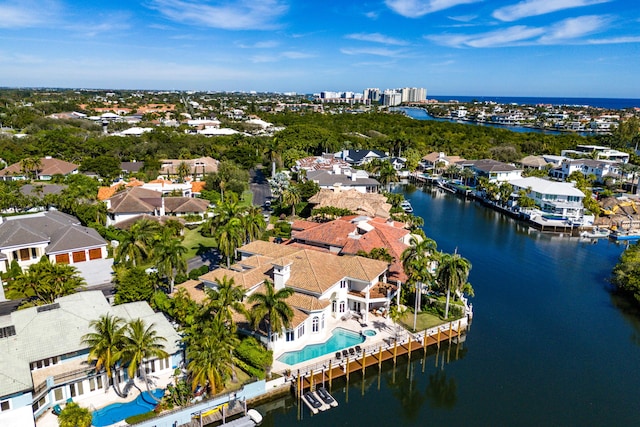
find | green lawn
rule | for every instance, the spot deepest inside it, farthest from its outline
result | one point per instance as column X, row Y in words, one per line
column 246, row 199
column 425, row 321
column 196, row 243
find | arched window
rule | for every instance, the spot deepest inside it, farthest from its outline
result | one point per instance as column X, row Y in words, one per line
column 314, row 324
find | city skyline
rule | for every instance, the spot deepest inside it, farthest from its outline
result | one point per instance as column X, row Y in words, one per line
column 570, row 48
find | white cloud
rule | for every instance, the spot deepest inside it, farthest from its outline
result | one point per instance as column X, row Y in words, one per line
column 281, row 55
column 573, row 28
column 528, row 8
column 567, row 31
column 418, row 8
column 27, row 13
column 614, row 40
column 376, row 38
column 267, row 44
column 238, row 15
column 391, row 53
column 498, row 38
column 372, row 15
column 463, row 18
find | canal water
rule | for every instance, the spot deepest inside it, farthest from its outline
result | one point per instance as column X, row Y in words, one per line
column 549, row 344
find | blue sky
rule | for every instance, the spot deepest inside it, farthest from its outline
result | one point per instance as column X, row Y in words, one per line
column 582, row 48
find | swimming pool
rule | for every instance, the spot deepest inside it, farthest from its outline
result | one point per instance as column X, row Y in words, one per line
column 340, row 338
column 119, row 411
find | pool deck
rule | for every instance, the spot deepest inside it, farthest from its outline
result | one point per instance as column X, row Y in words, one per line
column 384, row 327
column 100, row 399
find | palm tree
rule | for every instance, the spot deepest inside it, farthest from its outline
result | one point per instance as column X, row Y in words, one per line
column 141, row 343
column 105, row 345
column 135, row 244
column 224, row 299
column 230, row 237
column 271, row 306
column 253, row 223
column 291, row 196
column 452, row 273
column 169, row 254
column 183, row 170
column 417, row 261
column 387, row 174
column 209, row 363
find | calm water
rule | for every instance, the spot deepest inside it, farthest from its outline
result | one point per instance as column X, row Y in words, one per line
column 611, row 103
column 549, row 344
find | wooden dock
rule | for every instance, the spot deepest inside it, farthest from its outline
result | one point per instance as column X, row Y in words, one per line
column 375, row 357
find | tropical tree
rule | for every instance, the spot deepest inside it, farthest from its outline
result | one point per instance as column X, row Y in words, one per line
column 43, row 282
column 183, row 170
column 452, row 274
column 73, row 415
column 141, row 343
column 209, row 363
column 253, row 223
column 105, row 345
column 387, row 174
column 417, row 262
column 230, row 237
column 169, row 252
column 136, row 244
column 381, row 254
column 271, row 307
column 291, row 197
column 224, row 300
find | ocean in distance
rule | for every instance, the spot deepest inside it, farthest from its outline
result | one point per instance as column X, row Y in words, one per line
column 608, row 103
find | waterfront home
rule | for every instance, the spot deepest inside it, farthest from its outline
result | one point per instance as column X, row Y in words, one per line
column 534, row 162
column 561, row 199
column 350, row 234
column 438, row 160
column 327, row 287
column 324, row 162
column 493, row 170
column 601, row 169
column 368, row 204
column 360, row 157
column 44, row 170
column 56, row 235
column 345, row 179
column 43, row 361
column 600, row 153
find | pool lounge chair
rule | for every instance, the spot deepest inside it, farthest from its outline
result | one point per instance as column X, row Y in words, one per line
column 352, row 351
column 56, row 410
column 345, row 353
column 338, row 355
column 358, row 349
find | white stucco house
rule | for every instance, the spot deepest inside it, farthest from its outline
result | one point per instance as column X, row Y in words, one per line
column 558, row 198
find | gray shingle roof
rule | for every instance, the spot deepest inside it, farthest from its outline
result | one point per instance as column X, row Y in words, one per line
column 63, row 232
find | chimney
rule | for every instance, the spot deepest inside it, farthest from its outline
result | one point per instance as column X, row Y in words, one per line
column 281, row 273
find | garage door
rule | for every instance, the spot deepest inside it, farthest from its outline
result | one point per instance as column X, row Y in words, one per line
column 62, row 259
column 95, row 253
column 79, row 256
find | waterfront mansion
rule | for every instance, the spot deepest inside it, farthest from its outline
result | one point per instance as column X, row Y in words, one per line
column 43, row 361
column 327, row 287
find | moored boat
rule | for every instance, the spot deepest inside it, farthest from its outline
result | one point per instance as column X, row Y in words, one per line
column 624, row 235
column 595, row 233
column 406, row 206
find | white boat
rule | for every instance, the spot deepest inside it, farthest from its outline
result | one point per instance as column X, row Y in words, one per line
column 255, row 416
column 595, row 233
column 406, row 206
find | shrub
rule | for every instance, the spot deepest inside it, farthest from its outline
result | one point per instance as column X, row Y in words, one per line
column 254, row 354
